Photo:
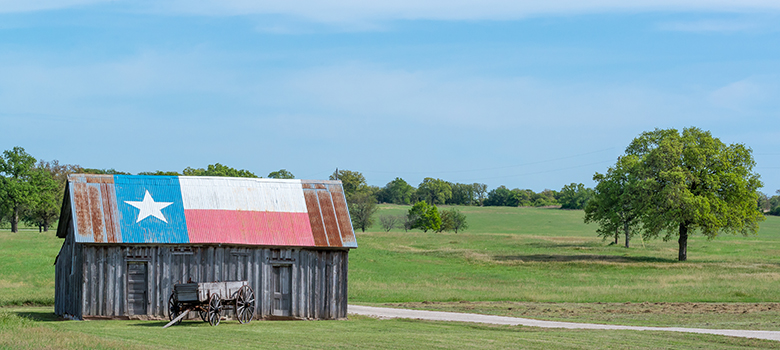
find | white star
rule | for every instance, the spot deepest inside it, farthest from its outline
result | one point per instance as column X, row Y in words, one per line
column 149, row 208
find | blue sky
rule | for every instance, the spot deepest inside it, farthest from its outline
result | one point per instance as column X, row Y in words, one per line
column 513, row 93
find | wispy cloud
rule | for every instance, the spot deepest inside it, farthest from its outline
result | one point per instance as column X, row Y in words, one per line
column 334, row 11
column 716, row 25
column 13, row 6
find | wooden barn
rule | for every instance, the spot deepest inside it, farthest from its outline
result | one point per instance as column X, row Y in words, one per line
column 129, row 239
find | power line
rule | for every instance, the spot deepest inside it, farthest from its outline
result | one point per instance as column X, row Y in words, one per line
column 543, row 172
column 486, row 169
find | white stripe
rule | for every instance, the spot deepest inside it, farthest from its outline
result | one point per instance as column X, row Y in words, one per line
column 220, row 193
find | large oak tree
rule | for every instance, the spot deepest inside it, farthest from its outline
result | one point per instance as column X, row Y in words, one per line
column 693, row 182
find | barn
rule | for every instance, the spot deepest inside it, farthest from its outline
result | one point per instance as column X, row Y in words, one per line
column 129, row 239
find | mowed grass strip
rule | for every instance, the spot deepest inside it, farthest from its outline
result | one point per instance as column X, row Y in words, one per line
column 752, row 316
column 549, row 255
column 35, row 328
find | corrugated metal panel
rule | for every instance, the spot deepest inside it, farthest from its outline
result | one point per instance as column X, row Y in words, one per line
column 329, row 219
column 315, row 218
column 342, row 215
column 179, row 210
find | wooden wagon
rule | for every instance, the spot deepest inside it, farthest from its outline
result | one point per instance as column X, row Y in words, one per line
column 210, row 300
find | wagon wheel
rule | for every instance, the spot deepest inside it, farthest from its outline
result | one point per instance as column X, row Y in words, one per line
column 214, row 310
column 174, row 307
column 245, row 304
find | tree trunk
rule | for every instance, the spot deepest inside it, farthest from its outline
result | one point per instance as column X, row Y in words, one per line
column 15, row 219
column 628, row 234
column 617, row 235
column 683, row 242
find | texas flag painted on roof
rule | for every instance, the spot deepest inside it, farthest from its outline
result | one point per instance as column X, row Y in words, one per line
column 208, row 210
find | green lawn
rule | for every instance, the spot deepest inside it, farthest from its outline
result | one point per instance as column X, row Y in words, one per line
column 27, row 267
column 527, row 262
column 549, row 255
column 35, row 328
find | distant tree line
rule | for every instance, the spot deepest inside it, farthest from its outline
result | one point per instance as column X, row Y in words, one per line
column 769, row 205
column 438, row 191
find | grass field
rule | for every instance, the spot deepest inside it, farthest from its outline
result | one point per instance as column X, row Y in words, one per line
column 549, row 255
column 35, row 328
column 528, row 262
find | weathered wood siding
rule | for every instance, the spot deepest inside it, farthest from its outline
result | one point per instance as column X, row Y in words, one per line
column 318, row 277
column 68, row 278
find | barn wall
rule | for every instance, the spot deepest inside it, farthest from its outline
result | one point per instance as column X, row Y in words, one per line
column 68, row 278
column 318, row 278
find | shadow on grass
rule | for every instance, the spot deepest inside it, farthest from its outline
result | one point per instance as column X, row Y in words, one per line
column 581, row 258
column 547, row 245
column 40, row 316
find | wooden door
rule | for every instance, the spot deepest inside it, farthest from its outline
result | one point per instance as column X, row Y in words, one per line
column 281, row 285
column 136, row 288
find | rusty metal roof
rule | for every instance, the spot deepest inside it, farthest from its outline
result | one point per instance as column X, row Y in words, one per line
column 206, row 210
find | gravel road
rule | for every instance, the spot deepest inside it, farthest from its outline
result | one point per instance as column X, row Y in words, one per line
column 383, row 312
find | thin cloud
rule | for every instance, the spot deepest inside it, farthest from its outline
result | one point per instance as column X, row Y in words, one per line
column 15, row 6
column 715, row 26
column 339, row 11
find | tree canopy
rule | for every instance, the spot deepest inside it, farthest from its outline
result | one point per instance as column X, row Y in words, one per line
column 425, row 217
column 687, row 182
column 618, row 199
column 434, row 191
column 17, row 190
column 362, row 207
column 351, row 181
column 574, row 196
column 218, row 170
column 281, row 174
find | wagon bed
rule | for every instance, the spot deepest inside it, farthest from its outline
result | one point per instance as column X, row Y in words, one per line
column 210, row 299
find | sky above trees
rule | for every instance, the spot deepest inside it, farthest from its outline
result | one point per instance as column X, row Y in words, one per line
column 508, row 93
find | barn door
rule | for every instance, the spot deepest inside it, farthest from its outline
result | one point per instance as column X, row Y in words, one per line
column 136, row 288
column 281, row 285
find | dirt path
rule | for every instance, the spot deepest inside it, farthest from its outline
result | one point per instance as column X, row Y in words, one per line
column 383, row 312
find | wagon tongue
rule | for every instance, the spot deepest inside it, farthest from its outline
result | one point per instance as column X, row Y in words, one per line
column 177, row 319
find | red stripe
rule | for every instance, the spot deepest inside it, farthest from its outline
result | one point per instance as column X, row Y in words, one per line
column 249, row 227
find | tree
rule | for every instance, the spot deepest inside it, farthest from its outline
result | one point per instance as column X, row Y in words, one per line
column 763, row 202
column 545, row 198
column 453, row 220
column 498, row 196
column 160, row 173
column 462, row 194
column 694, row 182
column 434, row 191
column 388, row 222
column 44, row 208
column 111, row 171
column 480, row 190
column 399, row 191
column 425, row 217
column 16, row 187
column 362, row 207
column 574, row 196
column 281, row 174
column 618, row 199
column 774, row 203
column 351, row 181
column 218, row 170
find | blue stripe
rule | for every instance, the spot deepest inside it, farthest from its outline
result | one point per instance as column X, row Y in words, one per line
column 150, row 229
